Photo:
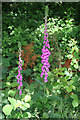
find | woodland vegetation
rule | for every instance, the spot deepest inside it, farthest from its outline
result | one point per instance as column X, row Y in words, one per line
column 59, row 97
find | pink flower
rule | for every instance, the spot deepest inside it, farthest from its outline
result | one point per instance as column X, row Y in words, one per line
column 20, row 92
column 45, row 55
column 19, row 76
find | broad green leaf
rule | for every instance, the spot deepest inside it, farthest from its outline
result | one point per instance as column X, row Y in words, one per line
column 70, row 56
column 61, row 73
column 10, row 27
column 18, row 103
column 16, row 68
column 75, row 102
column 70, row 82
column 9, row 77
column 7, row 109
column 56, row 115
column 11, row 92
column 12, row 101
column 45, row 115
column 6, row 62
column 14, row 84
column 8, row 84
column 12, row 32
column 73, row 87
column 27, row 98
column 52, row 49
column 27, row 72
column 66, row 73
column 24, row 106
column 74, row 96
column 27, row 105
column 76, row 66
column 78, row 89
column 29, row 114
column 22, row 63
column 69, row 89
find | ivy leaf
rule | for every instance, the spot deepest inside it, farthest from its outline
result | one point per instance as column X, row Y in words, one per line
column 7, row 109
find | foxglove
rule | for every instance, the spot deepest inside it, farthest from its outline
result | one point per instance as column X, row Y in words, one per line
column 19, row 76
column 45, row 55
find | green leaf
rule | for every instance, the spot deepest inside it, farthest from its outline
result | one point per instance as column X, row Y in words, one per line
column 56, row 115
column 31, row 87
column 61, row 73
column 22, row 107
column 70, row 56
column 8, row 84
column 76, row 66
column 27, row 105
column 27, row 98
column 11, row 92
column 52, row 49
column 7, row 109
column 22, row 63
column 10, row 27
column 5, row 62
column 9, row 77
column 74, row 96
column 25, row 115
column 45, row 115
column 14, row 84
column 78, row 89
column 29, row 114
column 70, row 82
column 18, row 103
column 73, row 87
column 67, row 73
column 12, row 32
column 12, row 101
column 69, row 89
column 16, row 68
column 75, row 102
column 27, row 72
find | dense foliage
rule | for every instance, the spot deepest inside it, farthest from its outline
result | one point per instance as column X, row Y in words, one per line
column 59, row 97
